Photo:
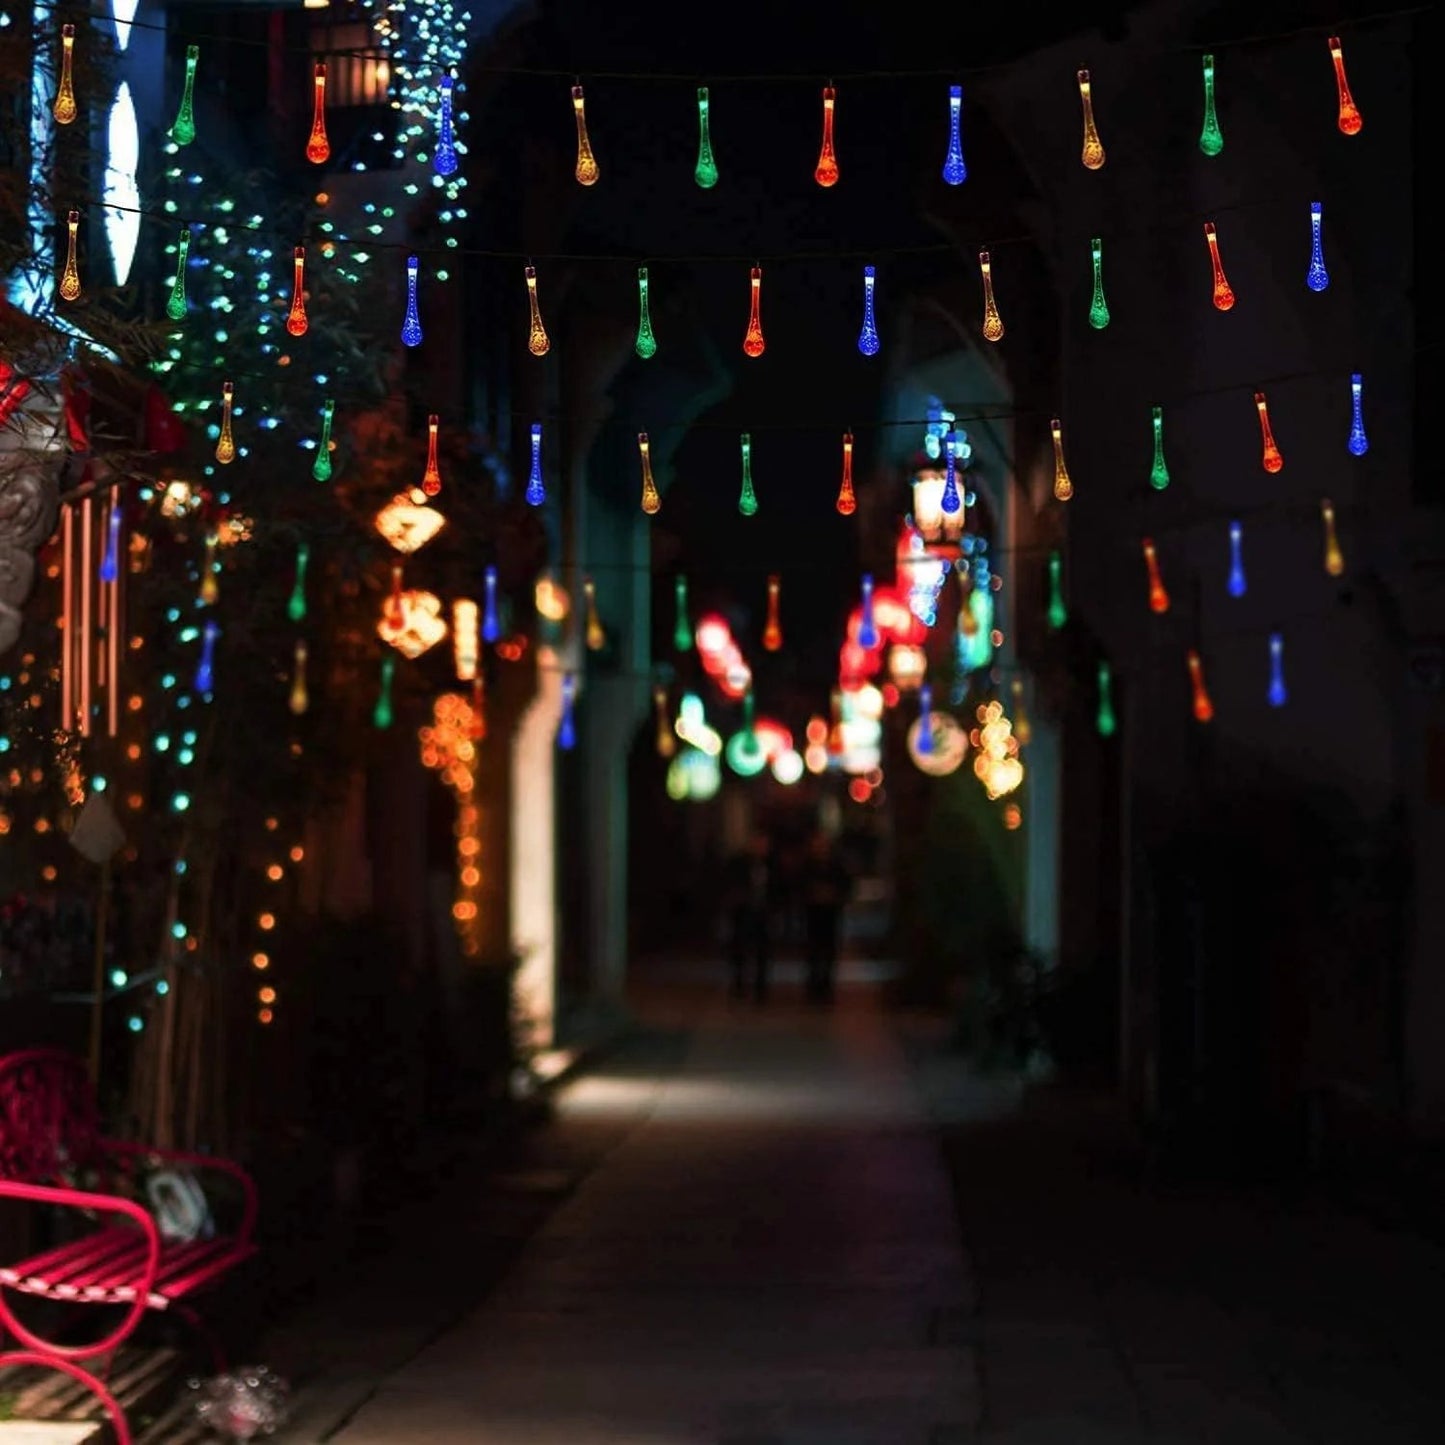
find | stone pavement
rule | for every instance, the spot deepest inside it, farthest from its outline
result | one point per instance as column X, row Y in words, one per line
column 762, row 1257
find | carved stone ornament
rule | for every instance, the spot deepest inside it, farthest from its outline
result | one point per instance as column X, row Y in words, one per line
column 32, row 458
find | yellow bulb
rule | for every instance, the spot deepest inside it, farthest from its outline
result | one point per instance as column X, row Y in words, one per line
column 70, row 276
column 64, row 109
column 587, row 170
column 1063, row 486
column 537, row 342
column 1093, row 153
column 1334, row 558
column 651, row 500
column 226, row 446
column 299, row 700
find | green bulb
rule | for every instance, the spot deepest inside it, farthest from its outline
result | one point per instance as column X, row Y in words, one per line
column 682, row 628
column 1211, row 138
column 321, row 468
column 1098, row 307
column 1106, row 722
column 381, row 714
column 183, row 132
column 296, row 608
column 1159, row 471
column 646, row 341
column 748, row 499
column 1058, row 613
column 705, row 173
column 176, row 306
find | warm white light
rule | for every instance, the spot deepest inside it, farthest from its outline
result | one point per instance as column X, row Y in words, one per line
column 907, row 666
column 788, row 766
column 120, row 191
column 408, row 525
column 421, row 623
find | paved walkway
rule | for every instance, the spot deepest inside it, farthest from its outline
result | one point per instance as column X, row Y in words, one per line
column 762, row 1258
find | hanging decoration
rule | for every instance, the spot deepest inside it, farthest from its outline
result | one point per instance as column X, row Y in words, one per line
column 1063, row 486
column 925, row 730
column 955, row 173
column 321, row 467
column 1350, row 120
column 1023, row 728
column 646, row 343
column 1277, row 695
column 1158, row 469
column 992, row 322
column 744, row 752
column 444, row 153
column 1236, row 585
column 847, row 503
column 176, row 303
column 705, row 173
column 411, row 324
column 92, row 613
column 1098, row 306
column 536, row 493
column 431, row 480
column 1211, row 138
column 381, row 714
column 299, row 700
column 567, row 727
column 183, row 130
column 296, row 607
column 464, row 639
column 868, row 336
column 586, row 169
column 651, row 500
column 1058, row 613
column 596, row 633
column 1270, row 458
column 296, row 322
column 538, row 342
column 206, row 667
column 747, row 497
column 1203, row 708
column 491, row 623
column 1316, row 278
column 210, row 592
column 1093, row 152
column 1223, row 293
column 826, row 171
column 64, row 109
column 1358, row 443
column 950, row 503
column 666, row 741
column 867, row 625
column 70, row 276
column 226, row 442
column 413, row 623
column 1334, row 557
column 753, row 343
column 1105, row 723
column 408, row 525
column 682, row 635
column 773, row 629
column 1158, row 597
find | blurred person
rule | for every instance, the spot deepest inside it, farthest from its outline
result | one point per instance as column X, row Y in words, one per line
column 826, row 885
column 749, row 888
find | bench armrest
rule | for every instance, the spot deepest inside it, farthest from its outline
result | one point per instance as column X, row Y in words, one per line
column 102, row 1204
column 227, row 1167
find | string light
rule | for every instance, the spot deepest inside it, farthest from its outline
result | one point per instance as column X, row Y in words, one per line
column 318, row 147
column 1211, row 138
column 1334, row 557
column 567, row 727
column 296, row 322
column 826, row 172
column 296, row 607
column 868, row 336
column 925, row 719
column 110, row 563
column 382, row 714
column 299, row 700
column 226, row 443
column 411, row 325
column 1159, row 469
column 70, row 276
column 1158, row 597
column 1236, row 560
column 1093, row 152
column 867, row 627
column 596, row 633
column 773, row 630
column 1023, row 728
column 1203, row 708
column 205, row 668
column 586, row 170
column 1350, row 119
column 183, row 131
column 431, row 480
column 1063, row 486
column 646, row 344
column 992, row 321
column 1277, row 694
column 537, row 340
column 210, row 589
column 64, row 110
column 491, row 624
column 321, row 467
column 536, row 493
column 705, row 173
column 847, row 503
column 682, row 634
column 1316, row 278
column 1058, row 613
column 651, row 500
column 464, row 638
column 950, row 502
column 955, row 173
column 1271, row 459
column 1358, row 443
column 747, row 497
column 1223, row 295
column 1098, row 306
column 176, row 303
column 666, row 741
column 753, row 343
column 444, row 153
column 1105, row 723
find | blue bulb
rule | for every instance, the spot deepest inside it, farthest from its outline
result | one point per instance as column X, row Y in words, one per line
column 925, row 720
column 955, row 173
column 444, row 161
column 1316, row 278
column 411, row 327
column 110, row 566
column 204, row 669
column 567, row 729
column 1277, row 694
column 951, row 501
column 867, row 628
column 1236, row 561
column 868, row 337
column 1358, row 443
column 491, row 628
column 536, row 492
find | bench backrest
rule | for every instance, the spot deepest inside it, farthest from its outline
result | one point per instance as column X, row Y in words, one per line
column 49, row 1123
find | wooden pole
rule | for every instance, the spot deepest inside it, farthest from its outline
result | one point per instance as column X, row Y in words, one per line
column 97, row 1007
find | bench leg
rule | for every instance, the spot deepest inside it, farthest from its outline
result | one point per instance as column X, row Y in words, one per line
column 118, row 1421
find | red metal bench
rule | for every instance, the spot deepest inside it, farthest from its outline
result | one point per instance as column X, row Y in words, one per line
column 49, row 1137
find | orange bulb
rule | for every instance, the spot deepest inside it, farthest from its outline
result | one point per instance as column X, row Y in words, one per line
column 992, row 321
column 70, row 276
column 1158, row 597
column 651, row 501
column 1063, row 486
column 1223, row 294
column 537, row 340
column 587, row 170
column 1203, row 708
column 847, row 503
column 267, row 995
column 773, row 632
column 1334, row 557
column 1271, row 460
column 431, row 482
column 753, row 343
column 318, row 148
column 1093, row 153
column 1350, row 119
column 296, row 321
column 226, row 445
column 826, row 173
column 266, row 922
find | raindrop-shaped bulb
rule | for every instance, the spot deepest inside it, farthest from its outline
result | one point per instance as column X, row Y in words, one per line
column 646, row 343
column 1158, row 470
column 681, row 626
column 1023, row 728
column 1063, row 486
column 705, row 173
column 1203, row 708
column 567, row 727
column 299, row 701
column 747, row 497
column 431, row 480
column 1236, row 560
column 536, row 492
column 1223, row 294
column 753, row 343
column 773, row 629
column 296, row 322
column 955, row 173
column 868, row 336
column 444, row 156
column 1334, row 557
column 586, row 169
column 596, row 633
column 226, row 444
column 992, row 321
column 318, row 148
column 925, row 719
column 1158, row 597
column 666, row 738
column 176, row 304
column 867, row 627
column 381, row 714
column 411, row 326
column 1277, row 694
column 1058, row 613
column 1098, row 306
column 205, row 668
column 210, row 592
column 321, row 467
column 847, row 503
column 296, row 607
column 651, row 499
column 826, row 172
column 1093, row 152
column 491, row 626
column 1316, row 278
column 537, row 340
column 1270, row 459
column 1211, row 138
column 1350, row 119
column 1105, row 723
column 183, row 131
column 64, row 110
column 1358, row 443
column 951, row 502
column 70, row 275
column 110, row 563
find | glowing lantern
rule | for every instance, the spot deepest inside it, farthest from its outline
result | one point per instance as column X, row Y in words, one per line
column 413, row 623
column 408, row 525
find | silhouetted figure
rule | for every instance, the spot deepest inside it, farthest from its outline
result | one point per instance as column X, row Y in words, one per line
column 749, row 885
column 825, row 888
